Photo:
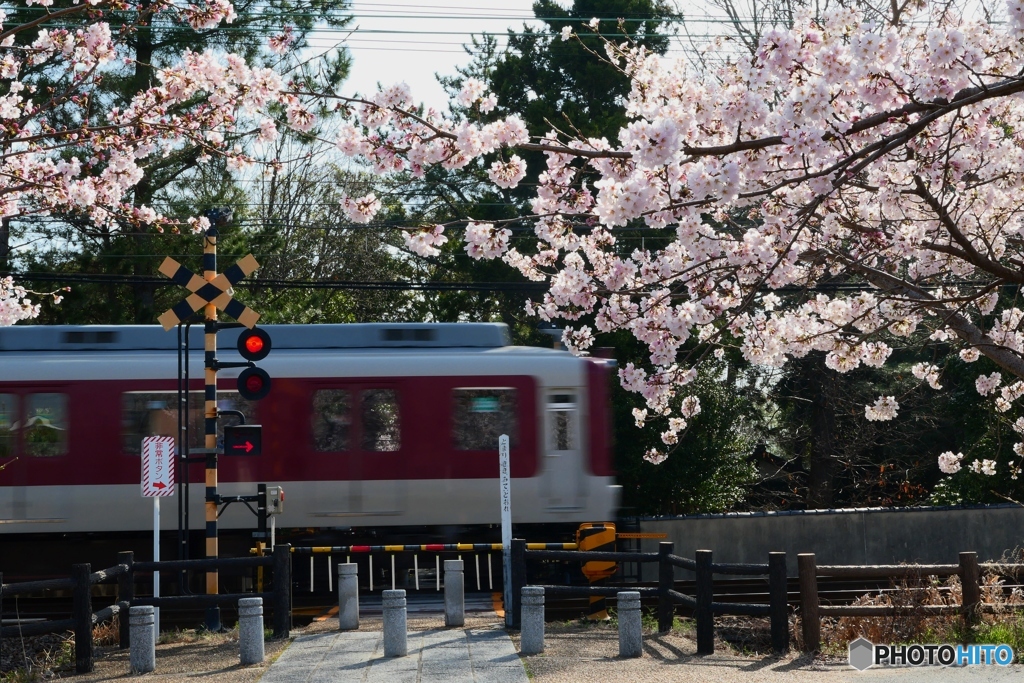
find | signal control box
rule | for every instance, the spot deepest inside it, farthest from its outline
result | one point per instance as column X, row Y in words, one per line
column 275, row 500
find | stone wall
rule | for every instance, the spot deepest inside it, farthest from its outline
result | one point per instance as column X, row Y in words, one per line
column 860, row 536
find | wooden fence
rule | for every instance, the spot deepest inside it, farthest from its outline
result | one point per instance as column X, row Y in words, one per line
column 968, row 569
column 777, row 610
column 702, row 603
column 82, row 580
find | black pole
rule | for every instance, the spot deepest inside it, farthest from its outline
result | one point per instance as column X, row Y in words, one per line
column 282, row 590
column 666, row 579
column 702, row 613
column 518, row 580
column 261, row 513
column 82, row 614
column 778, row 602
column 1, row 612
column 180, row 467
column 125, row 594
column 185, row 454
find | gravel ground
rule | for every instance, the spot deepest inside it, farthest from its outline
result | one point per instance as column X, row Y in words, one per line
column 574, row 653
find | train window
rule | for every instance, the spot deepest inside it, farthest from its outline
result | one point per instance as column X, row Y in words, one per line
column 332, row 420
column 46, row 424
column 8, row 416
column 380, row 420
column 481, row 415
column 153, row 413
column 561, row 422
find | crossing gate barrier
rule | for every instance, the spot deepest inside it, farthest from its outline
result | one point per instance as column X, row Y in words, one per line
column 599, row 537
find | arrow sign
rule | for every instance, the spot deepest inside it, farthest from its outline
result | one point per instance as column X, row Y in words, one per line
column 157, row 466
column 243, row 440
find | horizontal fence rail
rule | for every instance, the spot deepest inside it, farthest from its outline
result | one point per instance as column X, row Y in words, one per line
column 84, row 618
column 703, row 604
column 968, row 570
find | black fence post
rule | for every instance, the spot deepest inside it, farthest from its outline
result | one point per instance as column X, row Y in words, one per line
column 82, row 614
column 970, row 590
column 705, row 595
column 282, row 590
column 1, row 612
column 778, row 600
column 666, row 579
column 518, row 579
column 810, row 618
column 125, row 594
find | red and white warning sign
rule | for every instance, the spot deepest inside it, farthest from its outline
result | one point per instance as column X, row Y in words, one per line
column 157, row 466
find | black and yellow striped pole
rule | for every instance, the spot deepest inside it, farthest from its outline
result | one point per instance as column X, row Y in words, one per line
column 598, row 537
column 210, row 328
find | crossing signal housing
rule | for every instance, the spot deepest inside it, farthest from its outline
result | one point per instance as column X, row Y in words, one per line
column 253, row 345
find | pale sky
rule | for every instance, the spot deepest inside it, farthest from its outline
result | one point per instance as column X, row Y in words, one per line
column 405, row 40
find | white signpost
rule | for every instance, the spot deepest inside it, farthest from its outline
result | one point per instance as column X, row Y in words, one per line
column 157, row 483
column 506, row 523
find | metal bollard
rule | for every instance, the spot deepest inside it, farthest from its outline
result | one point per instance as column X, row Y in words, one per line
column 454, row 593
column 395, row 641
column 348, row 596
column 631, row 642
column 250, row 630
column 532, row 621
column 142, row 656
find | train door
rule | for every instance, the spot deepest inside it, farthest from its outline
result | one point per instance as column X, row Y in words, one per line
column 381, row 457
column 563, row 454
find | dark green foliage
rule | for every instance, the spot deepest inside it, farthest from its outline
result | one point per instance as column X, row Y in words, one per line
column 709, row 470
column 178, row 185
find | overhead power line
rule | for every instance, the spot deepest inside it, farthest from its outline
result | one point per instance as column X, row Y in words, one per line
column 100, row 278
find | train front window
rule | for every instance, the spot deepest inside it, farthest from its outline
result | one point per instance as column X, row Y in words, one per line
column 481, row 415
column 46, row 425
column 332, row 420
column 8, row 415
column 562, row 422
column 380, row 420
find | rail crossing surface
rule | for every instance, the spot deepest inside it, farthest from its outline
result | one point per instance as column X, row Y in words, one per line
column 471, row 655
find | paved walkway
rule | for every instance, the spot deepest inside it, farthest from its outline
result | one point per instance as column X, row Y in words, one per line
column 472, row 655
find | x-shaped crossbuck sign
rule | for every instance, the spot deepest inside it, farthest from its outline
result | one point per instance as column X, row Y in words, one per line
column 213, row 292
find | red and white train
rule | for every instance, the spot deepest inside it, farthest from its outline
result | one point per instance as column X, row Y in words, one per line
column 368, row 425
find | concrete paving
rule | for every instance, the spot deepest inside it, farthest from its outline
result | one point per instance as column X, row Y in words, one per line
column 471, row 655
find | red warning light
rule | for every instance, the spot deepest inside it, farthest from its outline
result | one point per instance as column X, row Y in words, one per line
column 253, row 384
column 254, row 344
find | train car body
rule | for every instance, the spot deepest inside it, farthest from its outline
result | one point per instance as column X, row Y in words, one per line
column 370, row 425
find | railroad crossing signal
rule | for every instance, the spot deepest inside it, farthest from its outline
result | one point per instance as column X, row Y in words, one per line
column 216, row 292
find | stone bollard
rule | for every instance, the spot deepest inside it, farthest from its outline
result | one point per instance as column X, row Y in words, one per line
column 250, row 630
column 395, row 641
column 454, row 593
column 631, row 642
column 532, row 621
column 141, row 627
column 348, row 596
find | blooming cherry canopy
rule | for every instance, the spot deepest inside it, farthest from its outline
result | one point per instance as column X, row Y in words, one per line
column 850, row 183
column 88, row 167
